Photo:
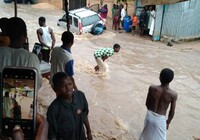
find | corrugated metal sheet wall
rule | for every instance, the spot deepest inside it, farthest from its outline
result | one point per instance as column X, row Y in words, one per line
column 182, row 20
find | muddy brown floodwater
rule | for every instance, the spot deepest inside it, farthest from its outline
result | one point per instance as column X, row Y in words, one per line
column 117, row 98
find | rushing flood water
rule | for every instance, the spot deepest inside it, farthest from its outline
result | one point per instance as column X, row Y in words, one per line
column 117, row 98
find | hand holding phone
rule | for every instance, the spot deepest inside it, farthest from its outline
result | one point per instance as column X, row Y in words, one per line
column 18, row 101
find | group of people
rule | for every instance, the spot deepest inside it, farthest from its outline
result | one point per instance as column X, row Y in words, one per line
column 72, row 101
column 147, row 20
column 118, row 14
column 67, row 115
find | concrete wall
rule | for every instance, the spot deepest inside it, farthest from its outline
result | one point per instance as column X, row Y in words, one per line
column 57, row 3
column 131, row 5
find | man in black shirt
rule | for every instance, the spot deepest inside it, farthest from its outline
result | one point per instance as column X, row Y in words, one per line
column 68, row 112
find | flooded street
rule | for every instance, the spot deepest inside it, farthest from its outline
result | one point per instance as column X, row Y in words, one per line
column 117, row 98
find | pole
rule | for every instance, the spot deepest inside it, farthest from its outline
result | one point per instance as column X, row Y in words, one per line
column 15, row 5
column 67, row 14
column 163, row 14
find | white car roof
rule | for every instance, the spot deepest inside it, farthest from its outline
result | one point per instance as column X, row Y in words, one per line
column 82, row 12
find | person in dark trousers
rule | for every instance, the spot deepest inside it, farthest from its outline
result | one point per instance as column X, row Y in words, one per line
column 68, row 113
column 143, row 18
column 17, row 110
column 46, row 37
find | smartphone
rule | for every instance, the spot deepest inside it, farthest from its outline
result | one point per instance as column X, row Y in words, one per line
column 18, row 101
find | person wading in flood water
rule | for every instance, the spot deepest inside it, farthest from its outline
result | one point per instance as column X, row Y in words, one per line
column 102, row 54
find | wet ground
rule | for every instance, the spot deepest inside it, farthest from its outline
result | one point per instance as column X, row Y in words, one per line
column 117, row 98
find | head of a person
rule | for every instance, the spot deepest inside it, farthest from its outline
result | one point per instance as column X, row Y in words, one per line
column 6, row 94
column 3, row 23
column 16, row 30
column 114, row 5
column 42, row 21
column 116, row 47
column 15, row 103
column 146, row 8
column 166, row 76
column 67, row 38
column 151, row 8
column 122, row 6
column 105, row 6
column 62, row 85
column 117, row 6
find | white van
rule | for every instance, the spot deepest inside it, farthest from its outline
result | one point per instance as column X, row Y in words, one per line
column 81, row 20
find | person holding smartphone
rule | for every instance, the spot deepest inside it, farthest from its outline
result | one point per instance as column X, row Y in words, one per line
column 15, row 54
column 41, row 132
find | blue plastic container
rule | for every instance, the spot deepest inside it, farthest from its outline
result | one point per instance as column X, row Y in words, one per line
column 127, row 23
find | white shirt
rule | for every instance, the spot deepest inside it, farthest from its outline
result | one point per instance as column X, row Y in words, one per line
column 59, row 59
column 19, row 58
column 46, row 36
column 123, row 13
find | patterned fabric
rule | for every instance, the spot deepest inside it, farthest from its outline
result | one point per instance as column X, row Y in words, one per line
column 100, row 53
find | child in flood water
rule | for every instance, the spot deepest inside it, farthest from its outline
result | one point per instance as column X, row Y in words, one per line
column 102, row 54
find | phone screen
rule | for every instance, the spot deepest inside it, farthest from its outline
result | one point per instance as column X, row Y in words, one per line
column 18, row 99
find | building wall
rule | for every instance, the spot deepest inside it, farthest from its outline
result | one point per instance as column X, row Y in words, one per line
column 131, row 6
column 158, row 22
column 75, row 4
column 57, row 3
column 182, row 20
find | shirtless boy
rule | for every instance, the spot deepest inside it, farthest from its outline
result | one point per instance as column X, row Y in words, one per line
column 158, row 100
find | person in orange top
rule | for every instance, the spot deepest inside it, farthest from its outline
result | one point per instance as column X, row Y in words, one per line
column 4, row 39
column 134, row 23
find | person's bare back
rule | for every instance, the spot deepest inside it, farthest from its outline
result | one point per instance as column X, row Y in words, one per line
column 161, row 96
column 157, row 102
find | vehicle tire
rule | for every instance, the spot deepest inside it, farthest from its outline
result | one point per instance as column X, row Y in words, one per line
column 97, row 29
